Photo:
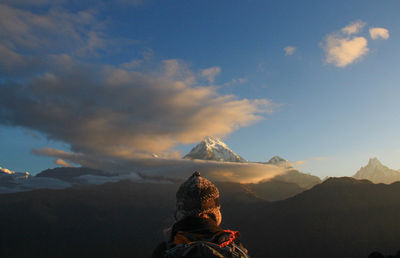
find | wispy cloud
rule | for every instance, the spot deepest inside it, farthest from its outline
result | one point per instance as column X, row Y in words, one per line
column 353, row 28
column 132, row 2
column 55, row 30
column 300, row 163
column 289, row 50
column 379, row 33
column 211, row 73
column 342, row 48
column 62, row 163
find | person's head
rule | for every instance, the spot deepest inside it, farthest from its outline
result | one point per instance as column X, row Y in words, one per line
column 198, row 197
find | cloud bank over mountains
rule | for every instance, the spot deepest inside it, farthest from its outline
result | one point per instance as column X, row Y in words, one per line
column 106, row 111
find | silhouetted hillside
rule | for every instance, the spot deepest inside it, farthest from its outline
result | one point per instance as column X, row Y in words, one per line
column 341, row 217
column 70, row 174
column 275, row 190
column 123, row 219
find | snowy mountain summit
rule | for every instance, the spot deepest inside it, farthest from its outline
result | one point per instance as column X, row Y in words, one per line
column 6, row 173
column 212, row 148
column 278, row 161
column 376, row 172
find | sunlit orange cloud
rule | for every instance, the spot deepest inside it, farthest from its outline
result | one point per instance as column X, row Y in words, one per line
column 62, row 162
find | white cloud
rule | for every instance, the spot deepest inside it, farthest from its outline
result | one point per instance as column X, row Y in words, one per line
column 342, row 49
column 289, row 50
column 379, row 33
column 353, row 28
column 211, row 73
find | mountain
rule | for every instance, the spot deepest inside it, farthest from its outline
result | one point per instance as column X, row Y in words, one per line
column 278, row 161
column 4, row 172
column 123, row 219
column 304, row 180
column 10, row 179
column 376, row 172
column 342, row 217
column 292, row 175
column 212, row 148
column 71, row 174
column 275, row 190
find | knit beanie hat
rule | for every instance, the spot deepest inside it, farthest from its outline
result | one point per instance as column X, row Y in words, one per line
column 197, row 196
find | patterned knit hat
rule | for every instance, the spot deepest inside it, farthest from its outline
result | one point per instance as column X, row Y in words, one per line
column 197, row 196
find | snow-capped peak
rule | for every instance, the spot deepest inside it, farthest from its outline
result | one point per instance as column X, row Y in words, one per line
column 212, row 148
column 7, row 171
column 12, row 174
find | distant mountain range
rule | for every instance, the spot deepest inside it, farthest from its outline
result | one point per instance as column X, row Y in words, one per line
column 288, row 181
column 342, row 217
column 376, row 172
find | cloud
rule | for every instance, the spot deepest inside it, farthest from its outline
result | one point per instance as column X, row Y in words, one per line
column 32, row 3
column 342, row 49
column 235, row 81
column 216, row 171
column 62, row 162
column 379, row 33
column 116, row 112
column 211, row 73
column 174, row 169
column 353, row 28
column 131, row 2
column 300, row 163
column 289, row 50
column 107, row 114
column 53, row 30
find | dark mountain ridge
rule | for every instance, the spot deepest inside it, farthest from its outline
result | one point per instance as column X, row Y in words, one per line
column 70, row 173
column 342, row 217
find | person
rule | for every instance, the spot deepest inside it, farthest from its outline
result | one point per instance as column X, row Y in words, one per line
column 197, row 231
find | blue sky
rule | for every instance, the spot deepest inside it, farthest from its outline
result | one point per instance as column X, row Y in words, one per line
column 328, row 102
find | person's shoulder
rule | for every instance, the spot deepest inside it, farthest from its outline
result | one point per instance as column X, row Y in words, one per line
column 159, row 250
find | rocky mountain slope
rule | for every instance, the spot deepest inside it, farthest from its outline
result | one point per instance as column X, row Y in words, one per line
column 376, row 172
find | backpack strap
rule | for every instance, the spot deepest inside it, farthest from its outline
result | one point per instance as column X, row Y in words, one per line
column 232, row 236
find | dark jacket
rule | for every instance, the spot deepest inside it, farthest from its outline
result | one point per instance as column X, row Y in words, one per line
column 196, row 229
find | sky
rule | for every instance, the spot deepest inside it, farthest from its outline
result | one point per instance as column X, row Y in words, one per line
column 315, row 82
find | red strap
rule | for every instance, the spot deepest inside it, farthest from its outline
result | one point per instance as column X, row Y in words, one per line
column 233, row 236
